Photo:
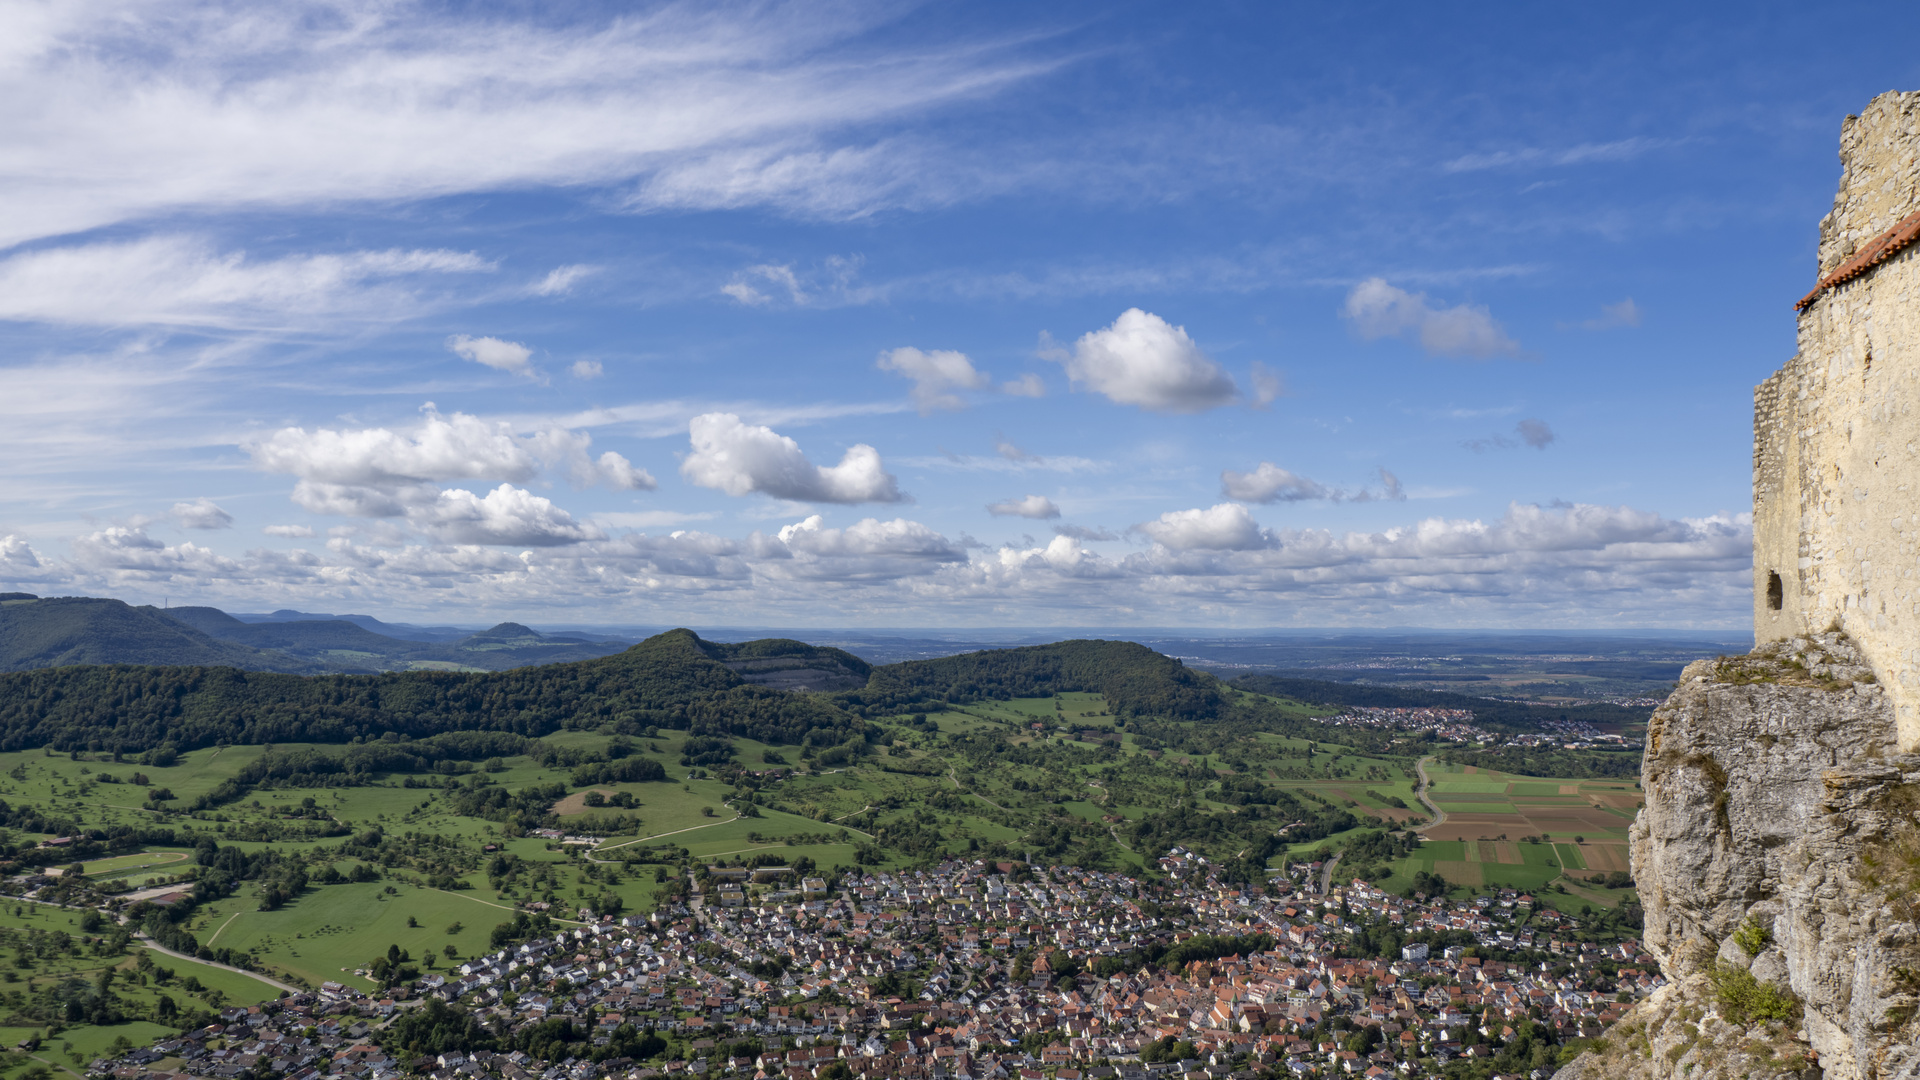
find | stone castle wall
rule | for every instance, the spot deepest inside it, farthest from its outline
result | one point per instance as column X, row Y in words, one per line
column 1836, row 463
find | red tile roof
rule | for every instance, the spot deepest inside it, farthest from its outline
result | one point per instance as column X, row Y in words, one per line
column 1878, row 250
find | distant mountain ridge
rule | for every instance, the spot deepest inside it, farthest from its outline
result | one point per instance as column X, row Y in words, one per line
column 57, row 632
column 67, row 630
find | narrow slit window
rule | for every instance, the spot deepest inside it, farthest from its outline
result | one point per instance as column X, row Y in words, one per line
column 1776, row 592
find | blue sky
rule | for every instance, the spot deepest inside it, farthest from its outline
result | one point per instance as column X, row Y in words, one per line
column 1228, row 315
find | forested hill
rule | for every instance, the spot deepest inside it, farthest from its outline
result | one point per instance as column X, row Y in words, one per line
column 673, row 680
column 1135, row 680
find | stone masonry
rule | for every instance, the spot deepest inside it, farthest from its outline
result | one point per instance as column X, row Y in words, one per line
column 1836, row 457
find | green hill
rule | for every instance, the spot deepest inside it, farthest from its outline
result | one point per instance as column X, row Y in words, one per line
column 673, row 680
column 62, row 631
column 1135, row 680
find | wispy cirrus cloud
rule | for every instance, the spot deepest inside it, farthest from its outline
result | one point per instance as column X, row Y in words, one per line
column 1579, row 154
column 124, row 111
column 187, row 281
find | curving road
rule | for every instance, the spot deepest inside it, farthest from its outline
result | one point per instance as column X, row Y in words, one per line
column 159, row 948
column 1439, row 815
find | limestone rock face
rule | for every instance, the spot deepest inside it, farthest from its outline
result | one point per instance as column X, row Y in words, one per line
column 1778, row 817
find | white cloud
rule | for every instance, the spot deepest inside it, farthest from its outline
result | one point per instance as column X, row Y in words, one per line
column 1379, row 310
column 183, row 281
column 833, row 283
column 744, row 459
column 508, row 356
column 1573, row 566
column 125, row 112
column 936, row 375
column 201, row 513
column 869, row 538
column 1618, row 150
column 586, row 369
column 1032, row 506
column 1028, row 385
column 289, row 532
column 460, row 447
column 1144, row 360
column 1614, row 316
column 1268, row 386
column 440, row 448
column 561, row 279
column 1223, row 527
column 1270, row 483
column 1082, row 532
column 505, row 515
column 1534, row 433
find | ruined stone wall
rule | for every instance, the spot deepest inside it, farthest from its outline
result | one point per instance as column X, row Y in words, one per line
column 1836, row 480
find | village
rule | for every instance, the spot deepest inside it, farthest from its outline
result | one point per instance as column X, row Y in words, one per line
column 976, row 969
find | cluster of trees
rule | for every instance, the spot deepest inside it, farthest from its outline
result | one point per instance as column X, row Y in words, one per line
column 361, row 763
column 1550, row 761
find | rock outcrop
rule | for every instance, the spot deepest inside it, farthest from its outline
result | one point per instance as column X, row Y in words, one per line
column 1778, row 862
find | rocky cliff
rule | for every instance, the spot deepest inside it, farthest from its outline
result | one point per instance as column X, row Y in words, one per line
column 1779, row 866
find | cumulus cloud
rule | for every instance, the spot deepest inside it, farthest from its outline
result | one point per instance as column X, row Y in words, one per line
column 936, row 375
column 505, row 515
column 1563, row 565
column 201, row 513
column 1531, row 433
column 1143, row 360
column 439, row 448
column 1082, row 532
column 460, row 447
column 289, row 532
column 1032, row 506
column 1378, row 310
column 1223, row 527
column 743, row 459
column 1270, row 483
column 184, row 281
column 586, row 369
column 870, row 538
column 384, row 473
column 508, row 356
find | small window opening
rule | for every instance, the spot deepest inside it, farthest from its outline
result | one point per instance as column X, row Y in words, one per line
column 1776, row 592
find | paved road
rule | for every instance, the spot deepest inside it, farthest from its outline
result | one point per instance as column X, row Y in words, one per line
column 1326, row 874
column 1439, row 815
column 159, row 948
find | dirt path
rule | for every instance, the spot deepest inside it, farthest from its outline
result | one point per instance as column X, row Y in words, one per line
column 975, row 794
column 656, row 836
column 491, row 904
column 56, row 1065
column 1439, row 815
column 223, row 926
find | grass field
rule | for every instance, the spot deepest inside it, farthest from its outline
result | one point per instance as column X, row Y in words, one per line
column 327, row 932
